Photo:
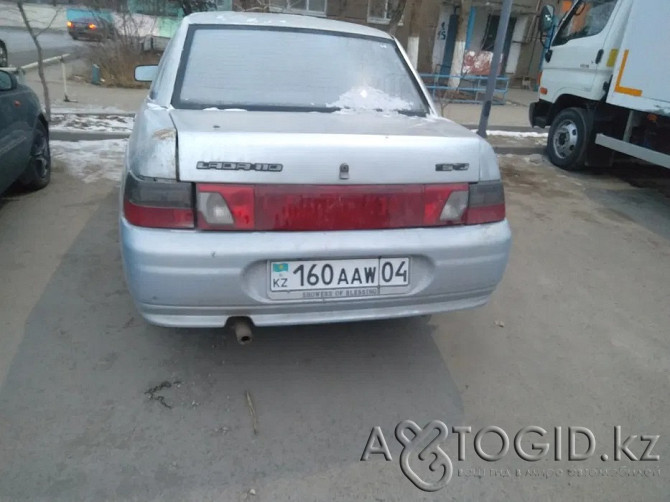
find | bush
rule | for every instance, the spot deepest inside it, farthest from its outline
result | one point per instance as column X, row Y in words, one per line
column 118, row 56
column 117, row 62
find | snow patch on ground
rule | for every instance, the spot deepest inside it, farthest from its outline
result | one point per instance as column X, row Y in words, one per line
column 88, row 109
column 516, row 134
column 90, row 161
column 88, row 122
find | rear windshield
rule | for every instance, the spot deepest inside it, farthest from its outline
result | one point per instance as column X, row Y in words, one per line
column 302, row 70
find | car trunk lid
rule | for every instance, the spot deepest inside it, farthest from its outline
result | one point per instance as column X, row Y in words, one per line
column 227, row 146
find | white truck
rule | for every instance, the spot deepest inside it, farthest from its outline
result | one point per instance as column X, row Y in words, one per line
column 605, row 84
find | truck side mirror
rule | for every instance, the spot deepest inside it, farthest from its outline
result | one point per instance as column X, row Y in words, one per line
column 546, row 20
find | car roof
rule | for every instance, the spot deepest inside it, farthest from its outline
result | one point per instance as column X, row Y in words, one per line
column 283, row 21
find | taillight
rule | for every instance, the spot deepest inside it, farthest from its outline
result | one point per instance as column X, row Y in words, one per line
column 226, row 206
column 334, row 207
column 445, row 204
column 486, row 203
column 158, row 204
column 92, row 26
column 69, row 24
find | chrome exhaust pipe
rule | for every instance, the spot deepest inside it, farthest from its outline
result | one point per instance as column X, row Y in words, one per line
column 242, row 328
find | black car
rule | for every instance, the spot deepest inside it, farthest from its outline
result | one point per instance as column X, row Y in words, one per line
column 24, row 136
column 93, row 28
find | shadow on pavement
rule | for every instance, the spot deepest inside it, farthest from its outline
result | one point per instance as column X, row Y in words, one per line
column 77, row 421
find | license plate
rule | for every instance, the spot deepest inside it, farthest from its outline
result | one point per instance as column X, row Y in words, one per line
column 333, row 279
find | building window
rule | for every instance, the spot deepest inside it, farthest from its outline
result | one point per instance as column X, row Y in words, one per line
column 313, row 7
column 381, row 11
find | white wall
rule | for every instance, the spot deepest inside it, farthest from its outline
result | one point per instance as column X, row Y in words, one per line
column 515, row 48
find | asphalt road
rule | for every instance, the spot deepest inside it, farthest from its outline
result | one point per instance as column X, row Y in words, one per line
column 97, row 405
column 22, row 50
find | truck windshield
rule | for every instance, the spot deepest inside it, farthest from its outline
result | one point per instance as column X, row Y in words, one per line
column 293, row 70
column 588, row 18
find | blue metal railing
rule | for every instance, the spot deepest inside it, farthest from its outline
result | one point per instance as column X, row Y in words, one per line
column 470, row 88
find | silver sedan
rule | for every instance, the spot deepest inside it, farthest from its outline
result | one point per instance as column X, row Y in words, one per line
column 288, row 170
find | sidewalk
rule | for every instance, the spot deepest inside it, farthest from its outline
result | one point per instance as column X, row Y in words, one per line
column 97, row 113
column 83, row 97
column 513, row 115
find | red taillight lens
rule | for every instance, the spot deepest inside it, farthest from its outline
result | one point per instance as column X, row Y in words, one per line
column 92, row 26
column 330, row 207
column 486, row 203
column 158, row 204
column 69, row 24
column 338, row 208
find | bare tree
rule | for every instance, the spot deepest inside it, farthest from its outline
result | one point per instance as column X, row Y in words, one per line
column 191, row 6
column 461, row 35
column 414, row 32
column 396, row 16
column 40, row 58
column 252, row 5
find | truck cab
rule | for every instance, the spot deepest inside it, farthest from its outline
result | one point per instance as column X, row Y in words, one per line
column 583, row 95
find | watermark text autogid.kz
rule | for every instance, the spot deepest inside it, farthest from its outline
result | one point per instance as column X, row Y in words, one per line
column 426, row 463
column 580, row 443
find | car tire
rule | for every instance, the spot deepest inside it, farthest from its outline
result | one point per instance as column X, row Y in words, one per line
column 4, row 59
column 74, row 37
column 569, row 138
column 38, row 172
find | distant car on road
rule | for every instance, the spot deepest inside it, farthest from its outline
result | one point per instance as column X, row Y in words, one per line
column 24, row 136
column 4, row 56
column 91, row 28
column 290, row 170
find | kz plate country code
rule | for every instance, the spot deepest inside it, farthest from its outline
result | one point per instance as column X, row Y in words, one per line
column 333, row 279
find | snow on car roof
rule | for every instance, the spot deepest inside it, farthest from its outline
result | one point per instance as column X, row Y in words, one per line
column 283, row 20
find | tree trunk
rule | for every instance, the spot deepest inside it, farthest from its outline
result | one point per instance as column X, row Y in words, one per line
column 414, row 33
column 459, row 47
column 40, row 61
column 396, row 16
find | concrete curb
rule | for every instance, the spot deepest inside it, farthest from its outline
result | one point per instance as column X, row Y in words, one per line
column 519, row 150
column 506, row 128
column 65, row 135
column 56, row 111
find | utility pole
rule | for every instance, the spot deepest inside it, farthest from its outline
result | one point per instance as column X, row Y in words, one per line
column 495, row 66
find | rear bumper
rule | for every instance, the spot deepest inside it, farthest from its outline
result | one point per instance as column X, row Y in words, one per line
column 200, row 279
column 84, row 31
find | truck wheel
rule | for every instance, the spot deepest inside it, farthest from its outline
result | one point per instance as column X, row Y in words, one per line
column 568, row 139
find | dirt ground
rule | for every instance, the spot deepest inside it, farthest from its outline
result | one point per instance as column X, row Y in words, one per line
column 97, row 405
